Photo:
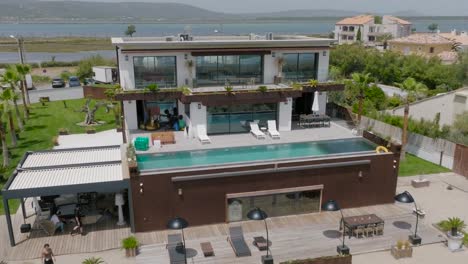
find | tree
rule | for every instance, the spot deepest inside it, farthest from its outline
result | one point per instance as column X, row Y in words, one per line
column 131, row 29
column 415, row 91
column 6, row 98
column 23, row 70
column 6, row 155
column 361, row 82
column 113, row 104
column 377, row 19
column 359, row 34
column 433, row 27
column 384, row 39
column 11, row 79
column 85, row 66
column 90, row 112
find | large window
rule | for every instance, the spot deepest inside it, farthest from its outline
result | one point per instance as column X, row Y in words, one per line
column 277, row 204
column 237, row 118
column 232, row 69
column 161, row 70
column 300, row 67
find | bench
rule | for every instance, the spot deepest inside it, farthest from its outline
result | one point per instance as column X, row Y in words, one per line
column 207, row 249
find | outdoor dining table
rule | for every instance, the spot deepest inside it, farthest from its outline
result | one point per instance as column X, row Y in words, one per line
column 310, row 120
column 352, row 222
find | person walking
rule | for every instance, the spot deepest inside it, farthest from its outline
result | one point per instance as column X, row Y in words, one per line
column 79, row 226
column 47, row 255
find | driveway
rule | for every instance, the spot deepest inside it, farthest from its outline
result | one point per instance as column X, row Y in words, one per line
column 56, row 94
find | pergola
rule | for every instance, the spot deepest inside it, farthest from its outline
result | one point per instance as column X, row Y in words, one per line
column 67, row 171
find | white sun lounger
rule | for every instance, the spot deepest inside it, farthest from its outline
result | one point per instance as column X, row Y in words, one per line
column 256, row 131
column 202, row 136
column 272, row 129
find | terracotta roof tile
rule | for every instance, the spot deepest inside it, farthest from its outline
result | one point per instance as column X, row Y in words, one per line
column 422, row 38
column 357, row 20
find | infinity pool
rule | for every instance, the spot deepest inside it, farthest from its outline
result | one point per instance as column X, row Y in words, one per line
column 184, row 159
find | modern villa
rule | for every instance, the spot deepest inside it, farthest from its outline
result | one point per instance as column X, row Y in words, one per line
column 234, row 172
column 219, row 125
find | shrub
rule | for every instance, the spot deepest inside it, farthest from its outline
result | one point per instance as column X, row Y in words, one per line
column 55, row 141
column 452, row 224
column 130, row 242
column 313, row 83
column 152, row 88
column 262, row 88
column 63, row 131
column 229, row 88
column 93, row 260
column 41, row 79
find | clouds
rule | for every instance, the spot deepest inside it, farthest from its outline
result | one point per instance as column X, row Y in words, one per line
column 426, row 7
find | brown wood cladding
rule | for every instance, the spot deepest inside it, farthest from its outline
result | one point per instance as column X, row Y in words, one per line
column 94, row 92
column 203, row 201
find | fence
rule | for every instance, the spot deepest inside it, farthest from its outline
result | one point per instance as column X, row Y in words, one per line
column 461, row 160
column 438, row 151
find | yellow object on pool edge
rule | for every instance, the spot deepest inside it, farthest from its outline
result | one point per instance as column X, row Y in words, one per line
column 381, row 148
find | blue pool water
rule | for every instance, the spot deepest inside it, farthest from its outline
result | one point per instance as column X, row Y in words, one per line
column 184, row 159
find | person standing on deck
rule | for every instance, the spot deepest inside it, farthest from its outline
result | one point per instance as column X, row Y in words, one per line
column 47, row 255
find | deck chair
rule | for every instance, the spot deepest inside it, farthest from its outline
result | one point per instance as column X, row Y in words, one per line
column 202, row 136
column 175, row 249
column 272, row 129
column 237, row 241
column 255, row 130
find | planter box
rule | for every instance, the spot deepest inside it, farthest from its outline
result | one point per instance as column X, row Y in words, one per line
column 420, row 183
column 130, row 252
column 401, row 253
column 347, row 259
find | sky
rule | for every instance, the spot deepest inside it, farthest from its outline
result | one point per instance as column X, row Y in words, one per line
column 426, row 7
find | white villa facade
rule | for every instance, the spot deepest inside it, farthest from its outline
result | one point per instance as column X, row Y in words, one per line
column 208, row 64
column 346, row 30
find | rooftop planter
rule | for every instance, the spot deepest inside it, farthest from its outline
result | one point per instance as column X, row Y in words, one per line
column 340, row 259
column 98, row 91
column 162, row 94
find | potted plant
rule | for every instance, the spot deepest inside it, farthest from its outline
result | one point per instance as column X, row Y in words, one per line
column 262, row 88
column 402, row 249
column 313, row 83
column 454, row 227
column 93, row 260
column 55, row 141
column 63, row 131
column 229, row 89
column 130, row 244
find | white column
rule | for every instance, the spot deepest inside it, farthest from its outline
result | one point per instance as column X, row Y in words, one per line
column 119, row 202
column 323, row 63
column 130, row 111
column 197, row 117
column 322, row 99
column 284, row 115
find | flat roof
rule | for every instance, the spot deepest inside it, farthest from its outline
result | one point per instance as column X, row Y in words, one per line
column 63, row 157
column 200, row 42
column 29, row 179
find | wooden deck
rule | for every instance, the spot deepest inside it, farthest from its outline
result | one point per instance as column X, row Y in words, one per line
column 293, row 237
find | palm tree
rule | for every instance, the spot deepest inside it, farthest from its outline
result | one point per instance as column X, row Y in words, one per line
column 23, row 70
column 362, row 83
column 6, row 97
column 415, row 90
column 11, row 78
column 6, row 156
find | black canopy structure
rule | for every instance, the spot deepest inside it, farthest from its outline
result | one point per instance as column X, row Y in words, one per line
column 66, row 171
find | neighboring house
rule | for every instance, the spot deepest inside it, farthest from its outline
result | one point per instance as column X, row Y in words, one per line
column 424, row 44
column 392, row 90
column 447, row 105
column 346, row 30
column 460, row 38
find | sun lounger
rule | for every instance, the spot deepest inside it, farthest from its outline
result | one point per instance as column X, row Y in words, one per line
column 175, row 248
column 237, row 241
column 255, row 130
column 272, row 129
column 202, row 136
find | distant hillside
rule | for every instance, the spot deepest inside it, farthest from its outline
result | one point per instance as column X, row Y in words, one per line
column 33, row 10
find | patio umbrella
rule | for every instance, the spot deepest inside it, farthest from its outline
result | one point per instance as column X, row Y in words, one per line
column 315, row 104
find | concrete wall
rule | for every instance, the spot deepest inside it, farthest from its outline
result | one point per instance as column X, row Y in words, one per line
column 446, row 104
column 419, row 48
column 284, row 115
column 130, row 111
column 424, row 147
column 197, row 117
column 322, row 99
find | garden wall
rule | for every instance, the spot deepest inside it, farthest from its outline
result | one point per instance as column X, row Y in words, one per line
column 438, row 151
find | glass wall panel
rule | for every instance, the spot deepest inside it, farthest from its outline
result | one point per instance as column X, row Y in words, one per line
column 278, row 204
column 300, row 67
column 217, row 124
column 161, row 70
column 232, row 69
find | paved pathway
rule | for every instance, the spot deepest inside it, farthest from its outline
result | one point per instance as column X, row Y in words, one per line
column 55, row 94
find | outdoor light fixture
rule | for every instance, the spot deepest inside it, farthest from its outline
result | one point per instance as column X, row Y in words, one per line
column 179, row 223
column 332, row 206
column 126, row 57
column 360, row 174
column 406, row 197
column 273, row 54
column 199, row 106
column 185, row 56
column 258, row 214
column 179, row 192
column 324, row 53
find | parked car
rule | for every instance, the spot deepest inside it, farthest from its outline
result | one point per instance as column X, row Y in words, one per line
column 58, row 83
column 89, row 81
column 73, row 81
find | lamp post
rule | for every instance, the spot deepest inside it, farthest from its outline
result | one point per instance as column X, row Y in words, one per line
column 406, row 197
column 179, row 223
column 20, row 42
column 332, row 205
column 258, row 214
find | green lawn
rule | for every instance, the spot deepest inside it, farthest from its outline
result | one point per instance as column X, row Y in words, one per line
column 43, row 125
column 414, row 166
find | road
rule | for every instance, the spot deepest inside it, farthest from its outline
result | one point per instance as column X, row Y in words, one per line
column 56, row 94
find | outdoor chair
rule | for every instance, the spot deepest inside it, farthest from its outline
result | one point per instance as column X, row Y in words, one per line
column 359, row 231
column 174, row 246
column 272, row 129
column 255, row 130
column 237, row 241
column 369, row 230
column 379, row 229
column 202, row 135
